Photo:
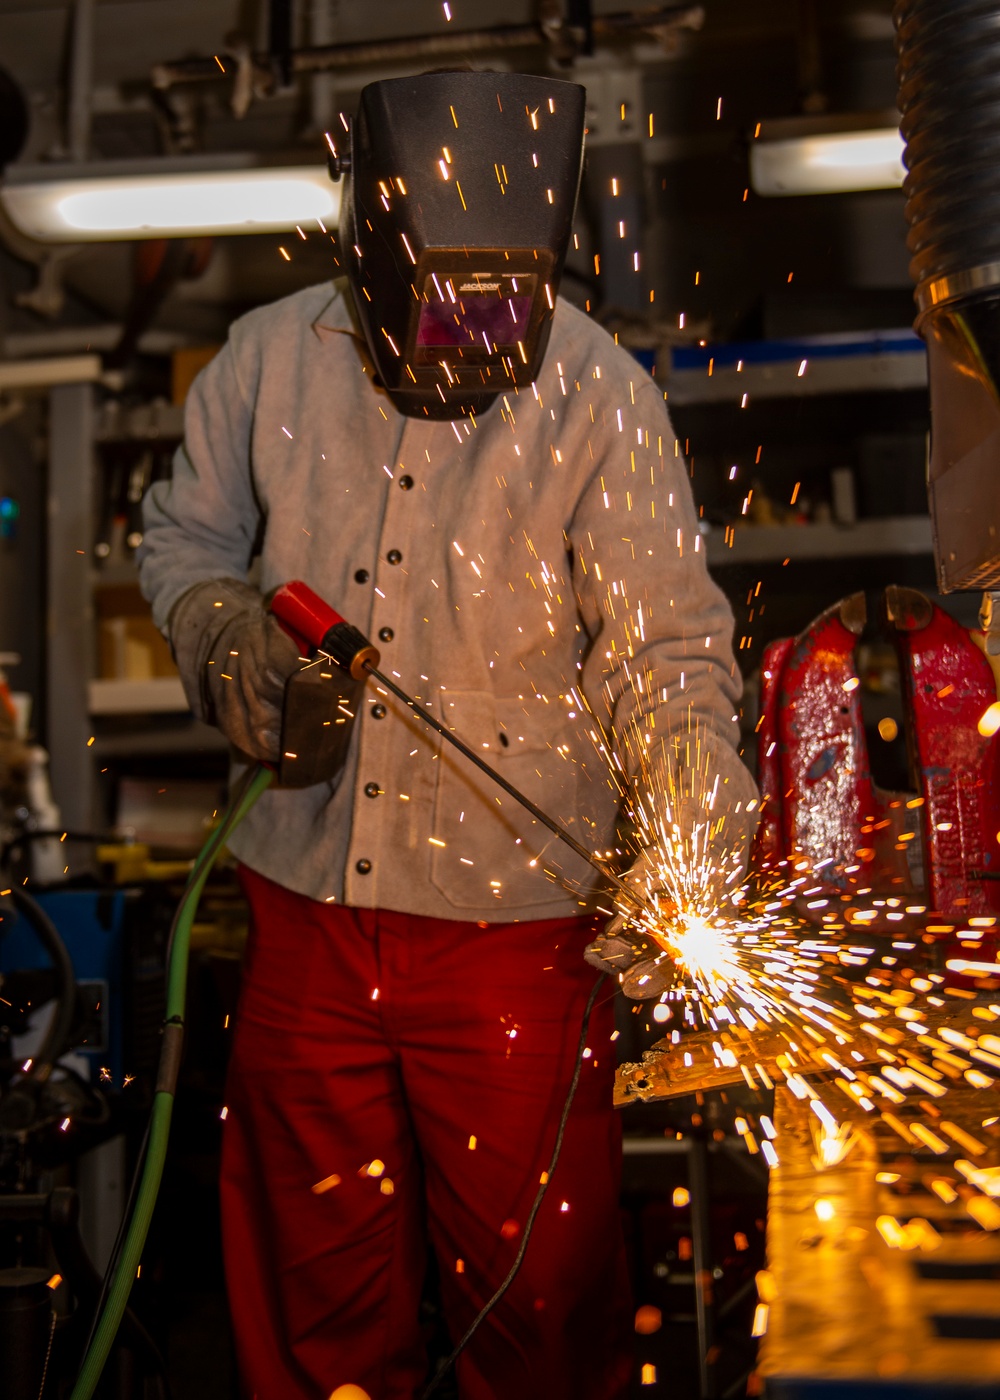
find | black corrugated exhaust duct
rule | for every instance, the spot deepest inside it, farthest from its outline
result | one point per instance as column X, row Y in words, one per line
column 948, row 65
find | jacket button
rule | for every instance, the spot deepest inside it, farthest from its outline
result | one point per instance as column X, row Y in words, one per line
column 405, row 482
column 372, row 789
column 361, row 576
column 378, row 712
column 385, row 634
column 394, row 556
column 363, row 867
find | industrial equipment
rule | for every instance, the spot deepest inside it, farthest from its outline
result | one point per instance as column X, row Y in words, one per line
column 946, row 66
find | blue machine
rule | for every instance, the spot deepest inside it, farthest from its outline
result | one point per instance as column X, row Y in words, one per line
column 115, row 940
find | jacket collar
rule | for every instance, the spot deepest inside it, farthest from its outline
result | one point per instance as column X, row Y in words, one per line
column 338, row 314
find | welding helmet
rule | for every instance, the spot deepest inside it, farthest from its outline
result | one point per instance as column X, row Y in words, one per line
column 455, row 218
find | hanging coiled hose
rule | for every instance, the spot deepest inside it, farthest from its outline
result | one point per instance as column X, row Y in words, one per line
column 948, row 68
column 125, row 1258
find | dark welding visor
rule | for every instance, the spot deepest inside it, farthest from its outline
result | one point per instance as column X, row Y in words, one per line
column 454, row 225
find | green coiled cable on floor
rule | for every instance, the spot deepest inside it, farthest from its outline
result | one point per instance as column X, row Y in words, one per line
column 126, row 1267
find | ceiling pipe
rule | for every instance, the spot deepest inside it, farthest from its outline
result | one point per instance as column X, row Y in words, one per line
column 48, row 296
column 606, row 28
column 280, row 40
column 81, row 75
column 812, row 96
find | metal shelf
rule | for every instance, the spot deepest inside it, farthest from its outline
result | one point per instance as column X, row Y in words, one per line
column 889, row 362
column 114, row 575
column 178, row 736
column 148, row 422
column 761, row 544
column 161, row 695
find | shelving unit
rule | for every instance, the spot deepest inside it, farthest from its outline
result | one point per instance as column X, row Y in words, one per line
column 765, row 425
column 768, row 544
column 799, row 368
column 150, row 422
column 98, row 725
column 159, row 736
column 160, row 695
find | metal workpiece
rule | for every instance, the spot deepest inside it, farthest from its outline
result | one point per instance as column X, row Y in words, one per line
column 760, row 1059
column 668, row 1071
column 906, row 609
column 877, row 1287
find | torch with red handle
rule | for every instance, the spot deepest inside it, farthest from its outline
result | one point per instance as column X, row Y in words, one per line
column 317, row 627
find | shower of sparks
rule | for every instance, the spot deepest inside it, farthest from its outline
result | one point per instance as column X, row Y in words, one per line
column 802, row 977
column 704, row 950
column 836, row 1003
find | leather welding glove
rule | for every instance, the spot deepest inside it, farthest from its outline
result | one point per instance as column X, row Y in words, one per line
column 624, row 950
column 633, row 956
column 235, row 660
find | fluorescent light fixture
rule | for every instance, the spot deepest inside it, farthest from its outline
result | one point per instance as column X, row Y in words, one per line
column 173, row 199
column 833, row 162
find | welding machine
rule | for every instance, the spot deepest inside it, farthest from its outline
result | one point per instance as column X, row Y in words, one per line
column 116, row 940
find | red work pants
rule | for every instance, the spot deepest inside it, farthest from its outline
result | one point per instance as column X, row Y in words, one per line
column 396, row 1077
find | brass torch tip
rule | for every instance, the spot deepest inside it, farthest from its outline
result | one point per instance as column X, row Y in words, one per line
column 364, row 660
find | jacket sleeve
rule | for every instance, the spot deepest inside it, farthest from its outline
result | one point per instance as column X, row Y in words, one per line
column 202, row 523
column 659, row 674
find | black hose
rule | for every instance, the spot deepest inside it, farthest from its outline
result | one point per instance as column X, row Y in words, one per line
column 116, row 1248
column 24, row 838
column 488, row 1306
column 60, row 1024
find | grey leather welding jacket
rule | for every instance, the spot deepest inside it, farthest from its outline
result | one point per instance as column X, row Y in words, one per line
column 522, row 574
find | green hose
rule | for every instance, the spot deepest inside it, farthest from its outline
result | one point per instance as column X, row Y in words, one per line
column 163, row 1100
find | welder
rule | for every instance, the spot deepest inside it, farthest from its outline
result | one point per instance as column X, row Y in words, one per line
column 470, row 470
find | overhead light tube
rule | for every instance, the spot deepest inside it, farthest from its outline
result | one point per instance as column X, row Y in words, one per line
column 120, row 200
column 835, row 162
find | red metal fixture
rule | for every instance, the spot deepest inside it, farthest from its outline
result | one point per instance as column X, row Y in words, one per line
column 818, row 798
